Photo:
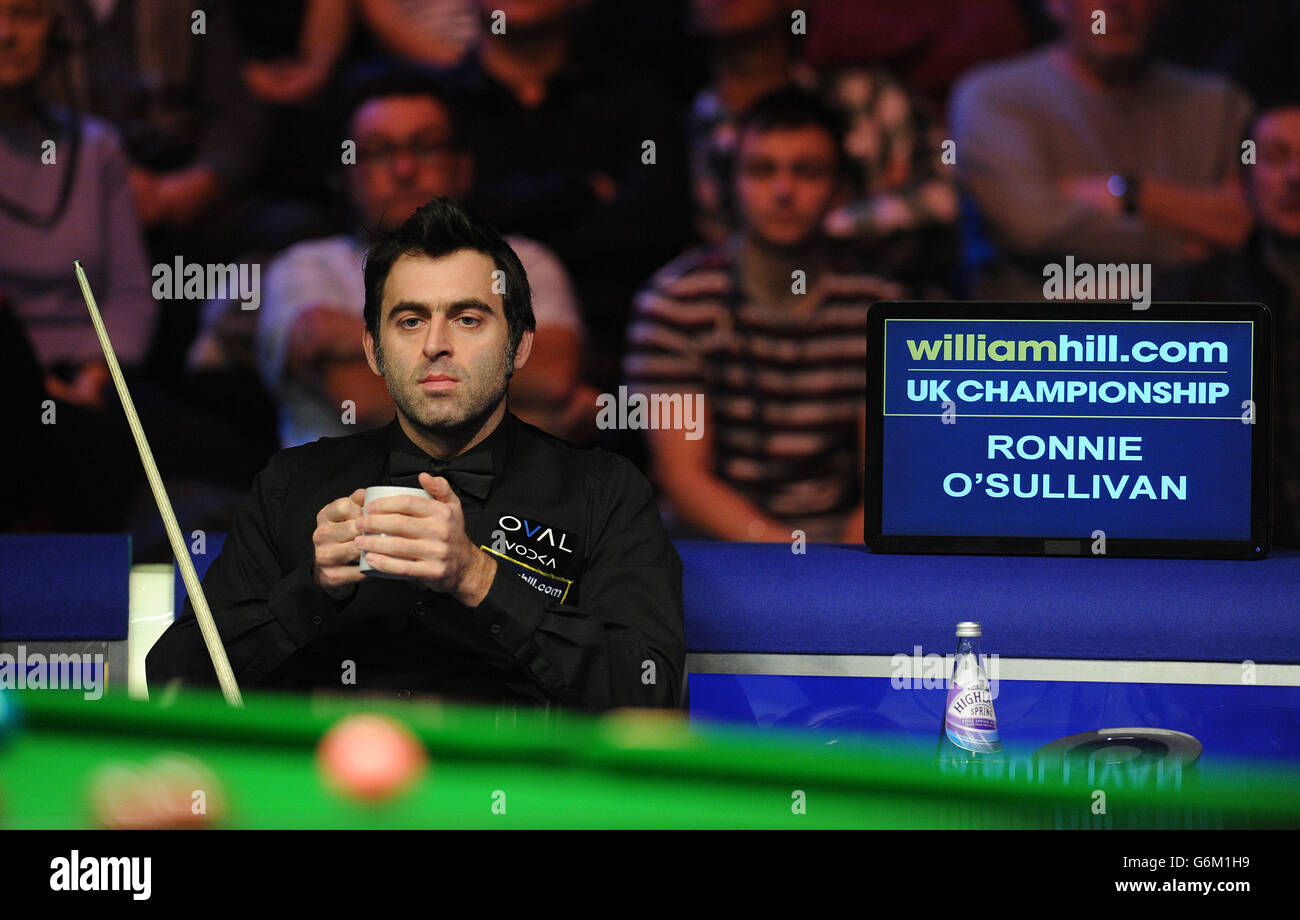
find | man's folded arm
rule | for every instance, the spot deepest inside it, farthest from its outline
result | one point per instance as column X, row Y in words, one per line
column 263, row 613
column 623, row 643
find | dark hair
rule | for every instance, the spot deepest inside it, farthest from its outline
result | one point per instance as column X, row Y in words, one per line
column 440, row 228
column 792, row 107
column 382, row 79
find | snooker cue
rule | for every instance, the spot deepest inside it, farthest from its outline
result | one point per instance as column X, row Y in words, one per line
column 211, row 638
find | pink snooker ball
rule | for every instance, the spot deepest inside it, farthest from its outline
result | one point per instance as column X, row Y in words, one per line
column 371, row 758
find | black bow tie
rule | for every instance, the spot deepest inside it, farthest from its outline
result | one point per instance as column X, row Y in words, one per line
column 471, row 473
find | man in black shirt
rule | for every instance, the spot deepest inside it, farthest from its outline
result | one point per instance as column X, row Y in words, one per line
column 534, row 571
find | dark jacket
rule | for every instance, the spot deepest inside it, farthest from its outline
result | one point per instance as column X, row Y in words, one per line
column 585, row 609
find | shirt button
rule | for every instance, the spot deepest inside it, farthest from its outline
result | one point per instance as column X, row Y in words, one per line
column 420, row 608
column 495, row 629
column 315, row 620
column 403, row 694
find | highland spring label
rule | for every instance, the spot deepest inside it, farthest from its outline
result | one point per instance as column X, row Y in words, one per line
column 969, row 719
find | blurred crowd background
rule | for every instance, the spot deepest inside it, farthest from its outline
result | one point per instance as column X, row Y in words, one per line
column 662, row 167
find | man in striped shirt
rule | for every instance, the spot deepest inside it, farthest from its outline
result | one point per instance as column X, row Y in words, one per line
column 770, row 327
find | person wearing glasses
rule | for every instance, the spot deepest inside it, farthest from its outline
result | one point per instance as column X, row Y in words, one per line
column 308, row 340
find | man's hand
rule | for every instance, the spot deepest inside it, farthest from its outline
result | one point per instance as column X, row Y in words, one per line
column 425, row 538
column 1093, row 191
column 176, row 198
column 324, row 332
column 188, row 193
column 285, row 81
column 145, row 192
column 335, row 566
column 86, row 390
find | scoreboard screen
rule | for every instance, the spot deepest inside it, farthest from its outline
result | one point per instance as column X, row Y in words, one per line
column 1069, row 429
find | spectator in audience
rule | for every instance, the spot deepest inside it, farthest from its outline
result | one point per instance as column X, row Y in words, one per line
column 903, row 204
column 562, row 155
column 276, row 38
column 292, row 53
column 65, row 197
column 1091, row 148
column 309, row 324
column 927, row 43
column 782, row 373
column 322, row 29
column 167, row 76
column 1267, row 270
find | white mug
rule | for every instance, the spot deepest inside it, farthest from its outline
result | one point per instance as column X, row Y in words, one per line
column 373, row 493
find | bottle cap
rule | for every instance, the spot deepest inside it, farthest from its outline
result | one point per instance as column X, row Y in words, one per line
column 968, row 630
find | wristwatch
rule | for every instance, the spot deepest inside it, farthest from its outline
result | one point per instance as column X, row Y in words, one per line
column 1125, row 188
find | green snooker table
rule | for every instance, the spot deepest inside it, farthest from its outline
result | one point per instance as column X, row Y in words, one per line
column 534, row 769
